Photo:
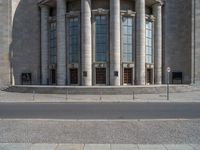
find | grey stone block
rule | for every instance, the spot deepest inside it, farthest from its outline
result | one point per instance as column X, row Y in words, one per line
column 151, row 147
column 70, row 147
column 17, row 146
column 124, row 147
column 43, row 147
column 97, row 147
column 179, row 147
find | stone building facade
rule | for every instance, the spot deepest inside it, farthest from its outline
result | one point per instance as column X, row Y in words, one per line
column 99, row 42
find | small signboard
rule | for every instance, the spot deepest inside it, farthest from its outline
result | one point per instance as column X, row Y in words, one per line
column 116, row 73
column 168, row 69
column 84, row 73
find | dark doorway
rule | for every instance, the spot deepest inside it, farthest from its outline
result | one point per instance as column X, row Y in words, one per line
column 74, row 76
column 177, row 77
column 100, row 75
column 53, row 76
column 149, row 79
column 128, row 75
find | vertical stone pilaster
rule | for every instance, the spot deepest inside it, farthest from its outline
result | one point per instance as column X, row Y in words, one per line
column 157, row 12
column 61, row 43
column 140, row 42
column 5, row 40
column 115, row 42
column 44, row 43
column 196, row 42
column 86, row 43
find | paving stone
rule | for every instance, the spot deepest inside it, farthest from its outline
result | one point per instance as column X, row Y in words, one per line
column 179, row 147
column 195, row 146
column 24, row 146
column 70, row 147
column 2, row 146
column 17, row 146
column 43, row 147
column 151, row 147
column 97, row 147
column 124, row 147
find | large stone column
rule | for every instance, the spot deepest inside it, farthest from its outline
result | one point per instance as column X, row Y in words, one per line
column 115, row 42
column 86, row 43
column 140, row 42
column 157, row 12
column 61, row 43
column 44, row 43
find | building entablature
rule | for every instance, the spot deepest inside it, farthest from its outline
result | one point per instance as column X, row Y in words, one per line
column 52, row 3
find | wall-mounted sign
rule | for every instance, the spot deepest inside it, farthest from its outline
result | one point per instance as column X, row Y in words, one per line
column 116, row 73
column 168, row 69
column 85, row 73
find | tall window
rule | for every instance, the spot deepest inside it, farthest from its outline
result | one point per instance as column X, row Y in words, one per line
column 149, row 42
column 127, row 23
column 101, row 38
column 52, row 36
column 73, row 40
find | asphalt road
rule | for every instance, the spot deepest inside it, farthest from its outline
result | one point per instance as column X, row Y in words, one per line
column 100, row 110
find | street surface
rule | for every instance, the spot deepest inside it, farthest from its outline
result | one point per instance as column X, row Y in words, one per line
column 99, row 110
column 100, row 131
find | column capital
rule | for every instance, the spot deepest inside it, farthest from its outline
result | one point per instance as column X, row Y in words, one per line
column 43, row 5
column 150, row 18
column 158, row 3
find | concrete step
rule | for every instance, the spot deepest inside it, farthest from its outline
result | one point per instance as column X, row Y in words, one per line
column 101, row 90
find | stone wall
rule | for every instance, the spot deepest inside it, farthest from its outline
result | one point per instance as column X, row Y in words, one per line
column 25, row 44
column 197, row 42
column 5, row 21
column 177, row 39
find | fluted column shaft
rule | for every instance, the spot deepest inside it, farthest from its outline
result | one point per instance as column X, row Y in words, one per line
column 115, row 42
column 86, row 42
column 157, row 12
column 61, row 43
column 140, row 42
column 44, row 43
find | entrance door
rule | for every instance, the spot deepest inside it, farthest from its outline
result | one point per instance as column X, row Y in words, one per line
column 128, row 75
column 100, row 75
column 74, row 76
column 53, row 76
column 149, row 76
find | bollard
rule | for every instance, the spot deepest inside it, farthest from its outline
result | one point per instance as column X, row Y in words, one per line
column 100, row 93
column 168, row 72
column 33, row 95
column 67, row 95
column 133, row 95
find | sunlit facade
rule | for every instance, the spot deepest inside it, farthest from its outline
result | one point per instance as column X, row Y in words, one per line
column 99, row 42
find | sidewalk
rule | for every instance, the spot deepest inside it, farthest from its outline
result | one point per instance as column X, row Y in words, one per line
column 34, row 97
column 21, row 146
